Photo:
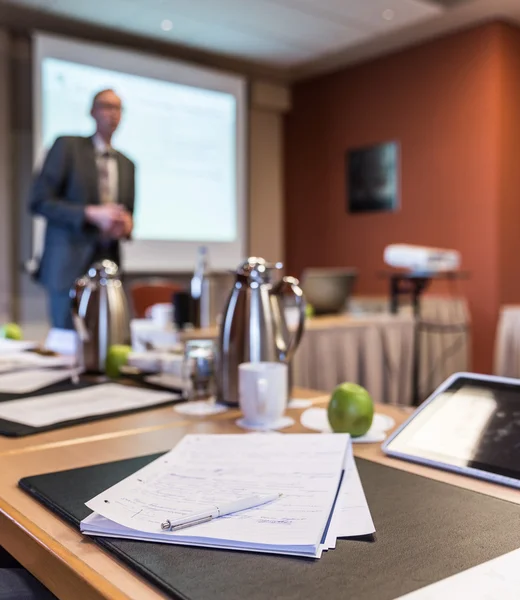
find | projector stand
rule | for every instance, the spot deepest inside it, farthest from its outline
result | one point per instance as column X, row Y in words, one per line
column 413, row 285
column 407, row 284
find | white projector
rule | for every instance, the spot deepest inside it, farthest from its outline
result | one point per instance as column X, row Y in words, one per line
column 421, row 258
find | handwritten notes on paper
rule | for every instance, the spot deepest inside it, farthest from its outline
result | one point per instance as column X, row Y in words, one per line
column 207, row 469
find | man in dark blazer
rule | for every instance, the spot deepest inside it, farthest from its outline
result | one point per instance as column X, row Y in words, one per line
column 85, row 191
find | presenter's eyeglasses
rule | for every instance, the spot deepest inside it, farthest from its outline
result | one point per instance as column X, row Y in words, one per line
column 109, row 106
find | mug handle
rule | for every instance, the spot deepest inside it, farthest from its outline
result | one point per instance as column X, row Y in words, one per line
column 262, row 385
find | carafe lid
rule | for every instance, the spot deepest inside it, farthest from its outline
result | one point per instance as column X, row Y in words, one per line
column 257, row 269
column 105, row 269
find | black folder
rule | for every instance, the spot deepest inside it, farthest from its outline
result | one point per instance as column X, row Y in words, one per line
column 12, row 429
column 426, row 531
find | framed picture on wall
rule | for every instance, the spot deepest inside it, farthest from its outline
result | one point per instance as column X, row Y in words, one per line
column 372, row 178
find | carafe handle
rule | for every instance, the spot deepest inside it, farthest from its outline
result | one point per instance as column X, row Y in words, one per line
column 291, row 285
column 75, row 296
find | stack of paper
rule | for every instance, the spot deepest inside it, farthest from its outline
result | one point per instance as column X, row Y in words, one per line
column 23, row 372
column 31, row 380
column 31, row 360
column 322, row 498
column 10, row 346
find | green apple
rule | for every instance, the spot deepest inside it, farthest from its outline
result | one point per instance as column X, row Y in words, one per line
column 117, row 357
column 11, row 331
column 309, row 310
column 350, row 410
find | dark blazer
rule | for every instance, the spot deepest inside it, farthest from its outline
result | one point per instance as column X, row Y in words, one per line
column 66, row 184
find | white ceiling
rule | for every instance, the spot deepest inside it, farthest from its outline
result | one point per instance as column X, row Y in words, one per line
column 281, row 33
column 298, row 37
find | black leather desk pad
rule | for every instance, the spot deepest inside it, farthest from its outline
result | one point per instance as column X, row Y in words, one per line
column 12, row 429
column 426, row 531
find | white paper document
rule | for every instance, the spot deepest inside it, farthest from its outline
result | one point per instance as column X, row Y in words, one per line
column 204, row 470
column 62, row 341
column 167, row 380
column 102, row 399
column 496, row 579
column 8, row 345
column 351, row 517
column 19, row 361
column 31, row 380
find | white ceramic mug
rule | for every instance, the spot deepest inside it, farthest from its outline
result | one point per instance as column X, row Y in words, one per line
column 145, row 333
column 262, row 389
column 161, row 314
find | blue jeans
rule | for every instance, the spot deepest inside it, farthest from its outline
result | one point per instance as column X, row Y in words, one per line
column 19, row 584
column 60, row 310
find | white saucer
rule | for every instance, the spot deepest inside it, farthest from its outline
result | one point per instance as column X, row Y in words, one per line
column 280, row 424
column 200, row 408
column 383, row 422
column 299, row 403
column 317, row 420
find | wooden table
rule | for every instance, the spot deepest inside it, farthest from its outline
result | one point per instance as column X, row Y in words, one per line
column 150, row 421
column 73, row 567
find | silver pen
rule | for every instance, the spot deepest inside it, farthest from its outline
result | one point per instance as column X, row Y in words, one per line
column 217, row 511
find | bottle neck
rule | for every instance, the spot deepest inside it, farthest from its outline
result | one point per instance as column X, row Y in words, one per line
column 202, row 263
column 200, row 272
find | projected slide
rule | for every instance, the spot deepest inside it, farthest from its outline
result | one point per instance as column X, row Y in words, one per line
column 181, row 138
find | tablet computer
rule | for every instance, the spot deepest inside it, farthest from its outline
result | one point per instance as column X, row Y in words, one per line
column 469, row 425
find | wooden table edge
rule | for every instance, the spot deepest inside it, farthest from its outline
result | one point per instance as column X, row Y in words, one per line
column 51, row 563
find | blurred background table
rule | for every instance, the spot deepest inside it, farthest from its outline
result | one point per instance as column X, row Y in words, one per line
column 374, row 348
column 375, row 351
column 507, row 343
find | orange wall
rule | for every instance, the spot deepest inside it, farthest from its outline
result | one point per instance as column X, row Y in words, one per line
column 443, row 102
column 509, row 239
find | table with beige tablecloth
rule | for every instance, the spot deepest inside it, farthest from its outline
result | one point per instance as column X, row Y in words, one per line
column 507, row 343
column 445, row 338
column 375, row 349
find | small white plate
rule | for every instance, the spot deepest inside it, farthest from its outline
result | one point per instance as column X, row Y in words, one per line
column 200, row 408
column 280, row 424
column 317, row 420
column 299, row 403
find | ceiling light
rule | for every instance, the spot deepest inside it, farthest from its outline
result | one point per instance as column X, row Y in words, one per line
column 388, row 14
column 166, row 25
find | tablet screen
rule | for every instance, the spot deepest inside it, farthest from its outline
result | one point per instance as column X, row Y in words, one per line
column 474, row 423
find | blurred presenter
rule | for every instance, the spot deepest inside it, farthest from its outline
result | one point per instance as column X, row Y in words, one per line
column 85, row 191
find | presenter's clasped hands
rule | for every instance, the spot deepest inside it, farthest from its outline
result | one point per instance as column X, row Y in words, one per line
column 113, row 220
column 122, row 229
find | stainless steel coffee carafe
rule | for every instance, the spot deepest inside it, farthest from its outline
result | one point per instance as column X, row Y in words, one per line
column 253, row 327
column 100, row 313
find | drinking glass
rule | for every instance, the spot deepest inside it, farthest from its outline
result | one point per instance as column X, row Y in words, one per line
column 198, row 375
